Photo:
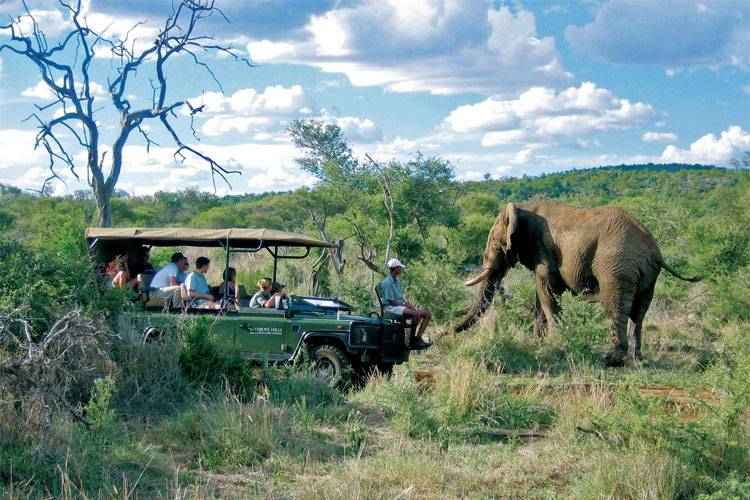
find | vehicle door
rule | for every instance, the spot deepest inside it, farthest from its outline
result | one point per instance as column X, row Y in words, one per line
column 262, row 334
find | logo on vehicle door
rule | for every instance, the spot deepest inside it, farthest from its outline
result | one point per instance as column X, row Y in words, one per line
column 262, row 330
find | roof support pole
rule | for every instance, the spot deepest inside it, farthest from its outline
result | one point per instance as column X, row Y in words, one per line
column 275, row 261
column 226, row 273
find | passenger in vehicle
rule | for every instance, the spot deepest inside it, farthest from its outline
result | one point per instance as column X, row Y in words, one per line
column 142, row 266
column 117, row 271
column 166, row 282
column 266, row 296
column 197, row 286
column 230, row 279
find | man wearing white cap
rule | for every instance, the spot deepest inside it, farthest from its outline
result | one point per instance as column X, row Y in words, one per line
column 394, row 303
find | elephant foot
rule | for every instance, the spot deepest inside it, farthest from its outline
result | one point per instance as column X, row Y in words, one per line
column 616, row 357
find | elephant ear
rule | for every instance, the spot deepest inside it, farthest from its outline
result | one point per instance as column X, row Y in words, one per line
column 512, row 214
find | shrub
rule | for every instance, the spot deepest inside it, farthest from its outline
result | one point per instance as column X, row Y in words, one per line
column 149, row 377
column 288, row 384
column 582, row 326
column 434, row 283
column 205, row 361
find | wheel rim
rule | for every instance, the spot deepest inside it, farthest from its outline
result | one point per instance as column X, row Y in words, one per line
column 326, row 370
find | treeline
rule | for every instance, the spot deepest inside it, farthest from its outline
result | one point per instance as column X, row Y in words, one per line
column 431, row 211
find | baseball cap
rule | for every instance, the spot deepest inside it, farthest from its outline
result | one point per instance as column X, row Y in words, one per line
column 395, row 263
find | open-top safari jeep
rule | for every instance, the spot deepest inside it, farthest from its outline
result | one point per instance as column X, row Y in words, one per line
column 340, row 344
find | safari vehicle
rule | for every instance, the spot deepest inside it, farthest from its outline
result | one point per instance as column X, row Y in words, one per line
column 340, row 344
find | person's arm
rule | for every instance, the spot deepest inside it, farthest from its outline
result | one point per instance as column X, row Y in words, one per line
column 271, row 303
column 192, row 292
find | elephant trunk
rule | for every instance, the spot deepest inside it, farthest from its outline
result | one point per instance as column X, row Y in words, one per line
column 490, row 282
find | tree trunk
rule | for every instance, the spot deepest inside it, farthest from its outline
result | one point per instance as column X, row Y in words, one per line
column 103, row 207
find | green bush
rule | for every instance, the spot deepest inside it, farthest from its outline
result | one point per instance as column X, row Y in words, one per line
column 728, row 297
column 149, row 376
column 289, row 384
column 205, row 361
column 433, row 283
column 720, row 248
column 582, row 326
column 708, row 449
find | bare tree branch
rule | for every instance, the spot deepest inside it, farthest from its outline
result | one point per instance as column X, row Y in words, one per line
column 385, row 186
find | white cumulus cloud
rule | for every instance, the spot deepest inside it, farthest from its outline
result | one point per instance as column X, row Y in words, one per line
column 659, row 137
column 359, row 130
column 540, row 115
column 18, row 149
column 442, row 46
column 709, row 149
column 42, row 91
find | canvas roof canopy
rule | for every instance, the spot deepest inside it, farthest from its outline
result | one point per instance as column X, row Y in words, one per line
column 179, row 236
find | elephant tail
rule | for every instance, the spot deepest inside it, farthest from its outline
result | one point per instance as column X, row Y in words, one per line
column 677, row 275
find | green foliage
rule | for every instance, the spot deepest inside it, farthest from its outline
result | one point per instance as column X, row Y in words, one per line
column 722, row 247
column 149, row 377
column 327, row 153
column 729, row 298
column 206, row 361
column 582, row 326
column 300, row 387
column 706, row 449
column 432, row 283
column 357, row 290
column 463, row 402
column 99, row 409
column 225, row 436
column 465, row 240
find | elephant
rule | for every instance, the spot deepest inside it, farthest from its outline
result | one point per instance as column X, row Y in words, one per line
column 601, row 253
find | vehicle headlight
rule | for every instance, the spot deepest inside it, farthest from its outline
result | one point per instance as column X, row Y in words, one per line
column 360, row 335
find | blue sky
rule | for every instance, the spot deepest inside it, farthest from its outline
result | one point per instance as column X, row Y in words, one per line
column 500, row 88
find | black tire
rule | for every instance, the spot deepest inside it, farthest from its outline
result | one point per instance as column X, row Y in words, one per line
column 386, row 369
column 150, row 334
column 331, row 364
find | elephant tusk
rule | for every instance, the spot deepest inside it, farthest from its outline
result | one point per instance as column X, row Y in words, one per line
column 479, row 278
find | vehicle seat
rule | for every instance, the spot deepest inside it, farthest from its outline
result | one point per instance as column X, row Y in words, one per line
column 144, row 285
column 383, row 313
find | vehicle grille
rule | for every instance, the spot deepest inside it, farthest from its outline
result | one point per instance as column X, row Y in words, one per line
column 394, row 343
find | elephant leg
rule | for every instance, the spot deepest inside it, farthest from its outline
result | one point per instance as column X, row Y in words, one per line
column 540, row 319
column 640, row 307
column 548, row 302
column 618, row 304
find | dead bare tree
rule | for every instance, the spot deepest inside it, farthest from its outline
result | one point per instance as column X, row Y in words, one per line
column 65, row 68
column 48, row 370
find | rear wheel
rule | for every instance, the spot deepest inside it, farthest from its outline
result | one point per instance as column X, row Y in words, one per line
column 332, row 365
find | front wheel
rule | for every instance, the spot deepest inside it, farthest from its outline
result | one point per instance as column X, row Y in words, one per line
column 332, row 365
column 366, row 371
